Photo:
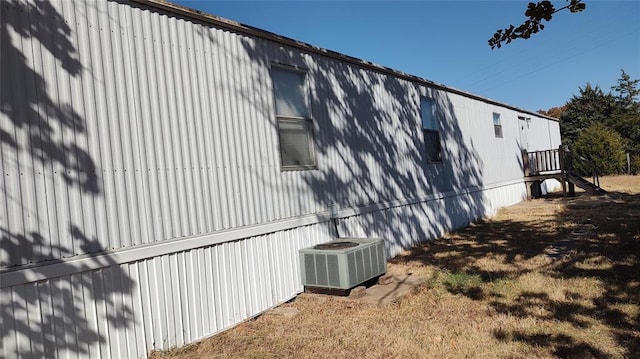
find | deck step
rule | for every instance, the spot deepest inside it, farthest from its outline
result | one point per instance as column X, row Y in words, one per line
column 586, row 185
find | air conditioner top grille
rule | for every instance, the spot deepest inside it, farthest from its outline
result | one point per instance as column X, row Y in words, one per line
column 336, row 245
column 344, row 263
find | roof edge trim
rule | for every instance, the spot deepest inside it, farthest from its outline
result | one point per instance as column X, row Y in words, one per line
column 264, row 34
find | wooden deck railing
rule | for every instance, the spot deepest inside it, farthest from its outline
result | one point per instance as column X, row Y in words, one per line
column 542, row 162
column 560, row 164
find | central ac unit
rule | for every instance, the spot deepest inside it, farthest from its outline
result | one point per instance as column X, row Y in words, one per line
column 343, row 263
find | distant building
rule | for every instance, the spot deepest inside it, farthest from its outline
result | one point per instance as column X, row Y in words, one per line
column 161, row 168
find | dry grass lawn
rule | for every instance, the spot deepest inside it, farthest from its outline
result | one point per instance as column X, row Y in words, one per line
column 548, row 278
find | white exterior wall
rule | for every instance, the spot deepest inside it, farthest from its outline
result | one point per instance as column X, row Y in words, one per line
column 143, row 205
column 123, row 310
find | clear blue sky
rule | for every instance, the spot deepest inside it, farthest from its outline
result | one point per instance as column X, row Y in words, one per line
column 446, row 42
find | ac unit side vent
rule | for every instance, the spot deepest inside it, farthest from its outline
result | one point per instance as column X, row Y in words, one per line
column 339, row 266
column 333, row 270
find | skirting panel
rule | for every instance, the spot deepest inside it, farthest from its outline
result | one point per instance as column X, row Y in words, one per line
column 125, row 310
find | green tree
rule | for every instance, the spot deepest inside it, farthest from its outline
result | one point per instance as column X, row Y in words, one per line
column 626, row 116
column 591, row 106
column 627, row 124
column 604, row 147
column 627, row 91
column 536, row 13
column 617, row 112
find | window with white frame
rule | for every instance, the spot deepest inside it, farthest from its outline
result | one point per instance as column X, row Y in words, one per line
column 497, row 125
column 295, row 128
column 430, row 131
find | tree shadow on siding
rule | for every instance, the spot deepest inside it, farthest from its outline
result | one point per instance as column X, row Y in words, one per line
column 40, row 148
column 370, row 151
column 386, row 155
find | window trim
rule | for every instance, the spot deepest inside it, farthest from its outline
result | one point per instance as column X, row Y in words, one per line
column 308, row 121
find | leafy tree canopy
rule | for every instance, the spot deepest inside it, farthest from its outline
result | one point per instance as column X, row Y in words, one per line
column 627, row 91
column 591, row 106
column 626, row 116
column 536, row 14
column 604, row 147
column 618, row 111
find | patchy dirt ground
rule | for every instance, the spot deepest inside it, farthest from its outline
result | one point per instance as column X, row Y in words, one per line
column 549, row 278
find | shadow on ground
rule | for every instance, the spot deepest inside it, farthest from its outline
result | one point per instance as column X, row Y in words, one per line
column 596, row 240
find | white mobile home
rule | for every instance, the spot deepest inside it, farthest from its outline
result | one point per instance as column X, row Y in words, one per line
column 161, row 168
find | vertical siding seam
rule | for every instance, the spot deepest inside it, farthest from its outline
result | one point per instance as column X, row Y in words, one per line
column 212, row 126
column 103, row 140
column 197, row 167
column 123, row 147
column 185, row 118
column 244, row 137
column 201, row 189
column 155, row 126
column 146, row 234
column 136, row 214
column 210, row 157
column 30, row 172
column 167, row 127
column 232, row 121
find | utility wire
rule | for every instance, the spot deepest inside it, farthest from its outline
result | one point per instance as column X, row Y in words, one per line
column 526, row 55
column 562, row 60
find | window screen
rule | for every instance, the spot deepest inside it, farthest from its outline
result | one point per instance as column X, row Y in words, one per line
column 430, row 132
column 295, row 143
column 295, row 129
column 428, row 119
column 288, row 88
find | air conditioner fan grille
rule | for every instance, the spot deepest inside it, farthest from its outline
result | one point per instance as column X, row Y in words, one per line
column 336, row 245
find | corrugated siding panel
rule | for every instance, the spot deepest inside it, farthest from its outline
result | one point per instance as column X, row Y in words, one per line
column 125, row 310
column 144, row 127
column 122, row 125
column 141, row 132
column 203, row 291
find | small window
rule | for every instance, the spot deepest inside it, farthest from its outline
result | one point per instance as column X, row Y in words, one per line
column 295, row 128
column 497, row 125
column 430, row 131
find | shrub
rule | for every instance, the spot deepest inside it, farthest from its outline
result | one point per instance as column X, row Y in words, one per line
column 602, row 146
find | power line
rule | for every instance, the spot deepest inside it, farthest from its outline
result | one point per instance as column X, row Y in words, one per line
column 562, row 60
column 526, row 55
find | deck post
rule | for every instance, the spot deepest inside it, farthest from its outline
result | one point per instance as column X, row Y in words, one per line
column 568, row 168
column 563, row 172
column 527, row 172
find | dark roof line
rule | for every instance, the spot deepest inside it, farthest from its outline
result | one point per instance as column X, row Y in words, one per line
column 254, row 31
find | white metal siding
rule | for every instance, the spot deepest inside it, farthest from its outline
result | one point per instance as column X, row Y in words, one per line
column 123, row 127
column 162, row 128
column 125, row 310
column 406, row 225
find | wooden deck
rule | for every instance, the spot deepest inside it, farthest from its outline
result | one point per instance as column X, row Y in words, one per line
column 557, row 164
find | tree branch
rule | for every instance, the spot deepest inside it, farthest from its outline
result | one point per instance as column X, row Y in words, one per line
column 536, row 13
